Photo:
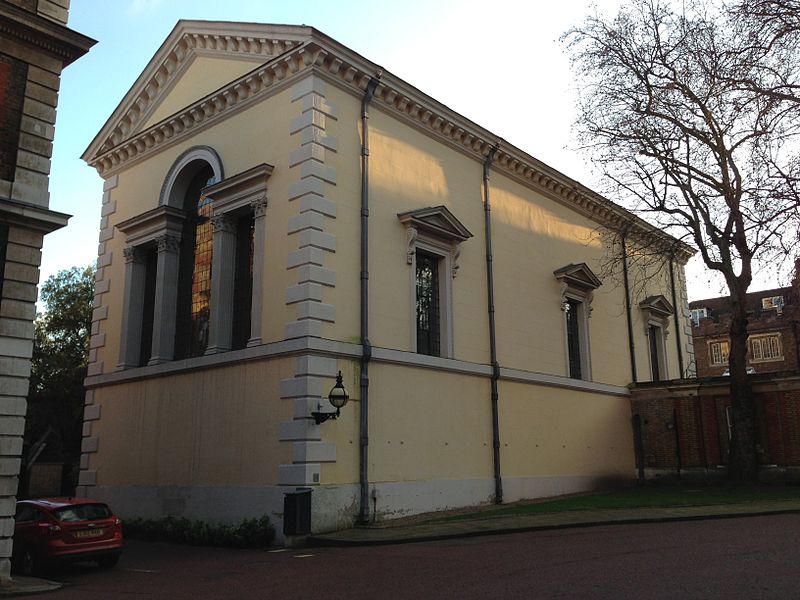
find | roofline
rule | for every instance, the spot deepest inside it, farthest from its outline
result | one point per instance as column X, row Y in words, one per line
column 351, row 71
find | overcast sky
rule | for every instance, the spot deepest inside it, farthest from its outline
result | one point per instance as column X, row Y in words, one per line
column 497, row 63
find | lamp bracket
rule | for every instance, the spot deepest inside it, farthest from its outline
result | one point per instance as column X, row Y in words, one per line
column 321, row 417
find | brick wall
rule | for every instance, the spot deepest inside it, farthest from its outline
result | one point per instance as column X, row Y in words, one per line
column 787, row 323
column 685, row 425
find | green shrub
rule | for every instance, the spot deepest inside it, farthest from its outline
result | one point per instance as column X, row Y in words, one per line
column 250, row 533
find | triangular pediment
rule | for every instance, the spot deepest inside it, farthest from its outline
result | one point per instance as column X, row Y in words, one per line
column 437, row 221
column 578, row 275
column 197, row 58
column 658, row 305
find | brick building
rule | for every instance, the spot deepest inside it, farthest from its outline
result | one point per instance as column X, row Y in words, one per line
column 36, row 46
column 683, row 427
column 773, row 325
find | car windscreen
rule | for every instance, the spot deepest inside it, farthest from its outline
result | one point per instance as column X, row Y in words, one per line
column 82, row 512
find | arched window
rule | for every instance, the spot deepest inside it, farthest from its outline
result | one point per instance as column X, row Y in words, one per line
column 194, row 276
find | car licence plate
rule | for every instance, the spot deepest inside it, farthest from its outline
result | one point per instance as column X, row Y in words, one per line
column 89, row 533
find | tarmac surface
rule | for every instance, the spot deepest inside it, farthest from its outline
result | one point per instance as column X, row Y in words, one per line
column 434, row 528
column 397, row 532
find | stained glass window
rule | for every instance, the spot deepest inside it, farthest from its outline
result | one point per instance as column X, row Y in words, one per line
column 427, row 281
column 194, row 276
column 201, row 276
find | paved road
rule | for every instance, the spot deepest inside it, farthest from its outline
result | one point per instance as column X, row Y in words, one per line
column 755, row 557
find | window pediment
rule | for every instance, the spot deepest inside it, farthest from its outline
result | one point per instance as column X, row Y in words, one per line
column 578, row 277
column 436, row 221
column 657, row 306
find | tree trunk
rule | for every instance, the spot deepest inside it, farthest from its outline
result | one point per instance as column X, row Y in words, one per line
column 743, row 456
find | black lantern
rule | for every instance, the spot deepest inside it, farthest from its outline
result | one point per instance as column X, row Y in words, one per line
column 338, row 397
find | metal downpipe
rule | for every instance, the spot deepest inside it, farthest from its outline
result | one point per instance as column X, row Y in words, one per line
column 631, row 346
column 487, row 210
column 675, row 315
column 366, row 347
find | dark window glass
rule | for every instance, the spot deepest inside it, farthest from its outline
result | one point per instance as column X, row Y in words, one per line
column 149, row 304
column 82, row 512
column 654, row 353
column 243, row 281
column 427, row 280
column 194, row 274
column 25, row 512
column 573, row 338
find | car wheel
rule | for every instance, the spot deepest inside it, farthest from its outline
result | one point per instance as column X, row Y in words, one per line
column 30, row 563
column 108, row 561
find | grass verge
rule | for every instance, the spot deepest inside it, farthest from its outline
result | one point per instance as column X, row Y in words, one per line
column 643, row 497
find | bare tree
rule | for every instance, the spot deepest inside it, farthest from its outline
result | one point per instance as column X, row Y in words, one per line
column 689, row 111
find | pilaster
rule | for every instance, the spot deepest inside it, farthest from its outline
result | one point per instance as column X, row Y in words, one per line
column 259, row 206
column 308, row 389
column 132, row 308
column 223, row 266
column 166, row 299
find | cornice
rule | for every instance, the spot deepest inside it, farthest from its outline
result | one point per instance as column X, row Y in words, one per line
column 352, row 72
column 189, row 39
column 56, row 40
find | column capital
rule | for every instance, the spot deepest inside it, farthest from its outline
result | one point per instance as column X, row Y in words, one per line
column 168, row 243
column 223, row 223
column 133, row 254
column 259, row 205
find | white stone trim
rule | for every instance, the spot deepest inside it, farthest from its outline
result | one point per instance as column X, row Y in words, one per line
column 102, row 276
column 307, row 227
column 344, row 350
column 173, row 189
column 313, row 452
column 299, row 474
column 302, row 429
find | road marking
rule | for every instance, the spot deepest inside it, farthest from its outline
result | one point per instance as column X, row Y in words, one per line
column 278, row 550
column 303, row 555
column 141, row 571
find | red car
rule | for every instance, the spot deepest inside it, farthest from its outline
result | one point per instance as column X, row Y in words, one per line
column 53, row 530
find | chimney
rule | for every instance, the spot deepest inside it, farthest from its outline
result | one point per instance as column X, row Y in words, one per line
column 796, row 280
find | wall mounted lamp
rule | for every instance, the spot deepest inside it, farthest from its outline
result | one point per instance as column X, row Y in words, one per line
column 338, row 397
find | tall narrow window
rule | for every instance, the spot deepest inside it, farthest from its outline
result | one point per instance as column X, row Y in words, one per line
column 194, row 278
column 577, row 291
column 571, row 309
column 656, row 315
column 654, row 335
column 243, row 281
column 148, row 305
column 427, row 281
column 719, row 352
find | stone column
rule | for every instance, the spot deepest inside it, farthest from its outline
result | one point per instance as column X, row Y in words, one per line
column 259, row 206
column 132, row 307
column 223, row 269
column 166, row 299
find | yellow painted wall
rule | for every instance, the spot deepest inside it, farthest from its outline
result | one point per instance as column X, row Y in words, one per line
column 203, row 75
column 557, row 432
column 430, row 425
column 192, row 429
column 427, row 425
